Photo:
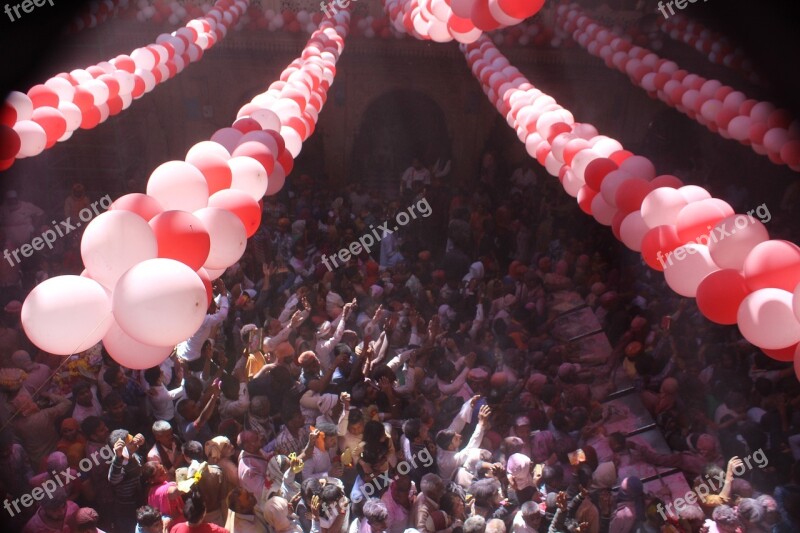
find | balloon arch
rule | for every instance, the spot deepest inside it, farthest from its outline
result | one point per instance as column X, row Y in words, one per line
column 151, row 258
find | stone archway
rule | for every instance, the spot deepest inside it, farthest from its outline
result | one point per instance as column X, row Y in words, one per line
column 396, row 127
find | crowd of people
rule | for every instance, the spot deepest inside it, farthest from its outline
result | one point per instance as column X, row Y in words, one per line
column 417, row 388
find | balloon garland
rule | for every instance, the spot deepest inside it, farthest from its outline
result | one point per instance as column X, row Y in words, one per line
column 150, row 258
column 769, row 131
column 463, row 20
column 740, row 278
column 98, row 12
column 717, row 48
column 51, row 112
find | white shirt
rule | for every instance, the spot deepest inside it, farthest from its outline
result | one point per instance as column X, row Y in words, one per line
column 161, row 404
column 449, row 462
column 412, row 175
column 189, row 350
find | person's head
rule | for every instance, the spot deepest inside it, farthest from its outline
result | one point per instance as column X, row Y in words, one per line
column 309, row 362
column 532, row 515
column 153, row 473
column 355, row 422
column 453, row 505
column 94, row 429
column 725, row 519
column 376, row 514
column 114, row 405
column 193, row 451
column 495, row 525
column 78, row 190
column 114, row 377
column 432, row 486
column 447, row 439
column 194, row 509
column 82, row 393
column 750, row 512
column 249, row 441
column 412, row 429
column 293, row 417
column 153, row 376
column 86, row 520
column 162, row 431
column 70, row 429
column 241, row 501
column 486, row 493
column 189, row 409
column 475, row 524
column 260, row 406
column 331, row 435
column 55, row 507
column 332, row 498
column 149, row 519
column 124, row 436
column 553, row 477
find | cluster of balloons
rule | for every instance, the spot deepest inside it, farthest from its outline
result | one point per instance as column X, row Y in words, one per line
column 96, row 13
column 705, row 250
column 716, row 47
column 769, row 131
column 463, row 20
column 151, row 258
column 170, row 12
column 51, row 112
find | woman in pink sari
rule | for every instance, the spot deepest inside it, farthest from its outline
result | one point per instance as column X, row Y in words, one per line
column 163, row 494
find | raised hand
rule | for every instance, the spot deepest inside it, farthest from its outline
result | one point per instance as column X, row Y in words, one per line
column 484, row 414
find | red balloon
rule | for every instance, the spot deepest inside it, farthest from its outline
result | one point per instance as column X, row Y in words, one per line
column 183, row 237
column 53, row 123
column 83, row 99
column 773, row 263
column 207, row 283
column 287, row 161
column 246, row 125
column 8, row 115
column 657, row 244
column 91, row 118
column 214, row 168
column 720, row 294
column 616, row 223
column 43, row 96
column 666, row 181
column 785, row 355
column 597, row 170
column 240, row 204
column 629, row 197
column 619, row 156
column 138, row 87
column 482, row 17
column 520, row 9
column 112, row 84
column 585, row 196
column 5, row 164
column 114, row 106
column 277, row 136
column 142, row 204
column 9, row 143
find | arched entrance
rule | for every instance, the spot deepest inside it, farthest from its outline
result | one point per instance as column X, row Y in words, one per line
column 397, row 127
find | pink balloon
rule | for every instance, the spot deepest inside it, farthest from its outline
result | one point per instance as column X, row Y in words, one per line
column 228, row 236
column 179, row 186
column 141, row 204
column 771, row 264
column 227, row 137
column 214, row 167
column 733, row 238
column 32, row 136
column 160, row 302
column 602, row 211
column 249, row 176
column 639, row 166
column 696, row 220
column 693, row 193
column 766, row 319
column 65, row 315
column 633, row 230
column 661, row 207
column 796, row 302
column 686, row 267
column 131, row 353
column 114, row 242
column 214, row 273
column 276, row 180
column 208, row 147
column 611, row 184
